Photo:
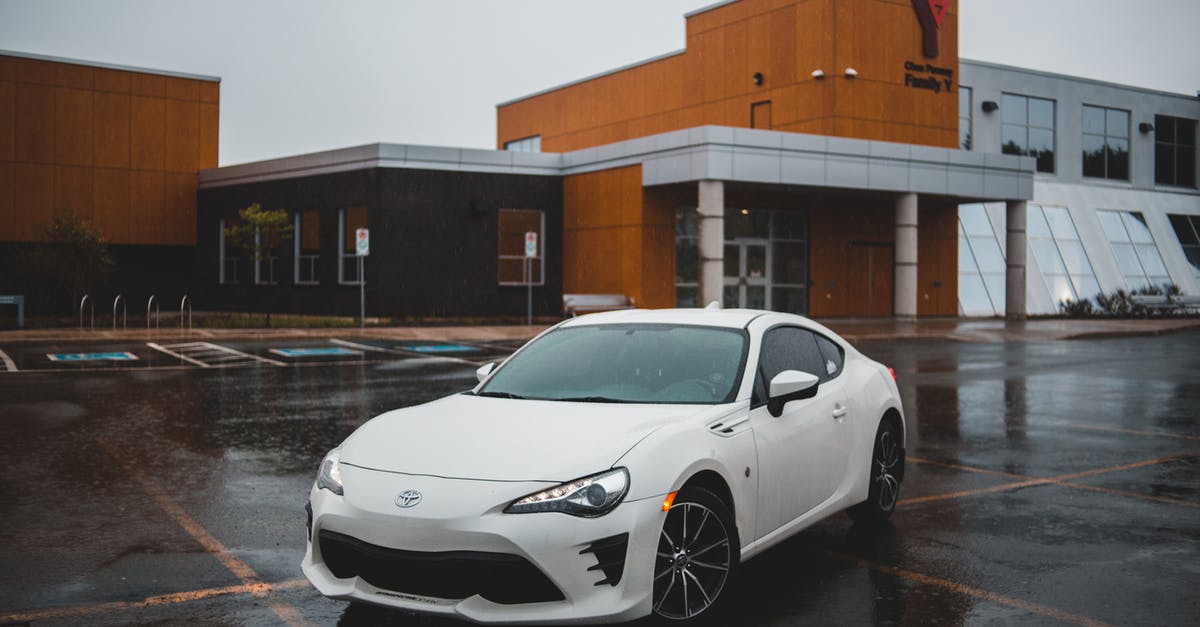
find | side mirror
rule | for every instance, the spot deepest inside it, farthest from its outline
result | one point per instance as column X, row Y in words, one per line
column 485, row 370
column 790, row 385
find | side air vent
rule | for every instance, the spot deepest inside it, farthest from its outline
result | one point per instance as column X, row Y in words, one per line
column 610, row 558
column 730, row 425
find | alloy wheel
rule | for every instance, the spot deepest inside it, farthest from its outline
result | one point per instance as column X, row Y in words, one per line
column 693, row 561
column 887, row 457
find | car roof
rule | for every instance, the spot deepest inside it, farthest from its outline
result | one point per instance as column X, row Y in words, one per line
column 727, row 318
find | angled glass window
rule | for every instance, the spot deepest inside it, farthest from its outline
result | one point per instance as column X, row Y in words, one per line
column 1134, row 249
column 525, row 144
column 1174, row 151
column 1105, row 143
column 981, row 267
column 1027, row 128
column 1187, row 229
column 1054, row 242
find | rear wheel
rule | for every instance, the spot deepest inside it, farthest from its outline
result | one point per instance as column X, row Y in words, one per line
column 885, row 476
column 698, row 553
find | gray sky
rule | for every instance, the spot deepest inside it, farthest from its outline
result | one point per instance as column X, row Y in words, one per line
column 307, row 75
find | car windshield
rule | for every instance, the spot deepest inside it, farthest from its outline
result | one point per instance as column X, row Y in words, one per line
column 626, row 363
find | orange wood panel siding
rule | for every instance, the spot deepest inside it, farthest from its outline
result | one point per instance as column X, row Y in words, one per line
column 120, row 148
column 614, row 241
column 711, row 82
column 838, row 231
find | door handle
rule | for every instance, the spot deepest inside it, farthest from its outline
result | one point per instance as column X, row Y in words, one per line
column 839, row 411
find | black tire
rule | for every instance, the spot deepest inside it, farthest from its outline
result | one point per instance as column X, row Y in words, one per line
column 697, row 559
column 887, row 461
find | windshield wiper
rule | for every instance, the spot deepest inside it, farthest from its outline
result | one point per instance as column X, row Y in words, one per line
column 593, row 399
column 500, row 395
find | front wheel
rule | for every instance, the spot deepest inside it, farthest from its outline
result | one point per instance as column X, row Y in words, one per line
column 886, row 471
column 698, row 552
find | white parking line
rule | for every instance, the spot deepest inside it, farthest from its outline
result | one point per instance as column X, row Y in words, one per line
column 8, row 362
column 361, row 347
column 177, row 355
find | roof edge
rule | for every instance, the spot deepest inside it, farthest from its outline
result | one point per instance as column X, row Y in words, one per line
column 706, row 9
column 593, row 77
column 109, row 66
column 1072, row 77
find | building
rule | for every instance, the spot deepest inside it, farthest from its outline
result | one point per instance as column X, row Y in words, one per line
column 828, row 157
column 114, row 145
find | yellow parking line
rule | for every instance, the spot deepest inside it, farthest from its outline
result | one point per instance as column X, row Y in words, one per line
column 978, row 593
column 235, row 565
column 1061, row 480
column 119, row 606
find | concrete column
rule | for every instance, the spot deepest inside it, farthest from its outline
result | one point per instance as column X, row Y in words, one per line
column 1014, row 278
column 712, row 241
column 905, row 264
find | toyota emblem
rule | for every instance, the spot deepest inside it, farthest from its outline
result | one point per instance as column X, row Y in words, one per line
column 408, row 498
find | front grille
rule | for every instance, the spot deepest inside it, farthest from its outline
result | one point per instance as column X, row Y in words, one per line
column 497, row 577
column 610, row 558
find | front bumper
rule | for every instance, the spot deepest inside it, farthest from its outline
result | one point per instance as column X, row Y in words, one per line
column 460, row 524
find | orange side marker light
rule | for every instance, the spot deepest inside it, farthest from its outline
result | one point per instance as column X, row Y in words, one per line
column 669, row 501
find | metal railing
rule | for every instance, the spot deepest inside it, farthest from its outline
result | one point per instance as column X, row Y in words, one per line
column 157, row 313
column 185, row 303
column 82, row 302
column 124, row 312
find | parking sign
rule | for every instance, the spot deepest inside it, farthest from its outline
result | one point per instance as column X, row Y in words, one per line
column 362, row 242
column 531, row 243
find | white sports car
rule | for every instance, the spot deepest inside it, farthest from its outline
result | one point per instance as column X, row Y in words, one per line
column 618, row 465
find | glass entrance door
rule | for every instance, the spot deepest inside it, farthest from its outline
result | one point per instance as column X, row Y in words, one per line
column 747, row 274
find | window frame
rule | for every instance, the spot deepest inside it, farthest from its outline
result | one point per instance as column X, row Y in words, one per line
column 540, row 257
column 1175, row 148
column 224, row 260
column 1084, row 134
column 531, row 143
column 342, row 254
column 298, row 255
column 967, row 144
column 1025, row 150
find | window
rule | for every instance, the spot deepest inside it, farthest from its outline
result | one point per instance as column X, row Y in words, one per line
column 527, row 144
column 349, row 220
column 964, row 117
column 1133, row 246
column 1187, row 229
column 307, row 247
column 981, row 267
column 793, row 348
column 514, row 267
column 228, row 262
column 1174, row 151
column 1105, row 143
column 266, row 248
column 687, row 257
column 1066, row 269
column 1027, row 129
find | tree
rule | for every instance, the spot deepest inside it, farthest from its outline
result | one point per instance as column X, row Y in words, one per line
column 259, row 231
column 73, row 260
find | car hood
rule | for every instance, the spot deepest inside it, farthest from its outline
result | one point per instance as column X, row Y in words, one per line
column 471, row 437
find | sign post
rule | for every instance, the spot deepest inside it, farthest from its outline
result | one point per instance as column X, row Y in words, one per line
column 362, row 248
column 531, row 247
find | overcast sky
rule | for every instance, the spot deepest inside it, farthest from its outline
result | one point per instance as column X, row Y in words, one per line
column 307, row 75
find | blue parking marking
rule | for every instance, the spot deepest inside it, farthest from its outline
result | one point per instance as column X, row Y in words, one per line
column 71, row 357
column 314, row 352
column 438, row 348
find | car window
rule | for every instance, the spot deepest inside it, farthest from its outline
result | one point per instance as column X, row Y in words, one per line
column 833, row 355
column 634, row 363
column 787, row 348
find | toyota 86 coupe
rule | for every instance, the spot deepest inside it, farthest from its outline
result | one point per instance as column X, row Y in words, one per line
column 618, row 465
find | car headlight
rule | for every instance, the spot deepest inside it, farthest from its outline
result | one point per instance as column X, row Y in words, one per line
column 330, row 477
column 588, row 497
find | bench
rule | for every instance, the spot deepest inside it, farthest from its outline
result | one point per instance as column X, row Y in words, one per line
column 575, row 304
column 1185, row 303
column 1152, row 301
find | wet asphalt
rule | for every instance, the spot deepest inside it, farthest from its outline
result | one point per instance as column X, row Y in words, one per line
column 1048, row 483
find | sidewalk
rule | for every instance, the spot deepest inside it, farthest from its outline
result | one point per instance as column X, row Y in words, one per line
column 854, row 330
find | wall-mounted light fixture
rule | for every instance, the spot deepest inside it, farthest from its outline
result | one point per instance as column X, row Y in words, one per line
column 851, row 72
column 1145, row 127
column 818, row 73
column 758, row 78
column 989, row 106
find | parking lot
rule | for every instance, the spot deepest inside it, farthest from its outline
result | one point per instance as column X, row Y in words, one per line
column 1050, row 482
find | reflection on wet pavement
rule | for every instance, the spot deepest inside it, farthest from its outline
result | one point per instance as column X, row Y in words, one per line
column 1048, row 482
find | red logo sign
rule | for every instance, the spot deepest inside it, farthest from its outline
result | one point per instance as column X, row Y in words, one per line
column 930, row 13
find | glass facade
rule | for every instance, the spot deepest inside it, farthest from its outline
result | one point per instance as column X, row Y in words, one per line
column 1174, row 151
column 527, row 144
column 980, row 264
column 766, row 259
column 1027, row 129
column 964, row 118
column 1187, row 229
column 1133, row 246
column 1066, row 270
column 1105, row 143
